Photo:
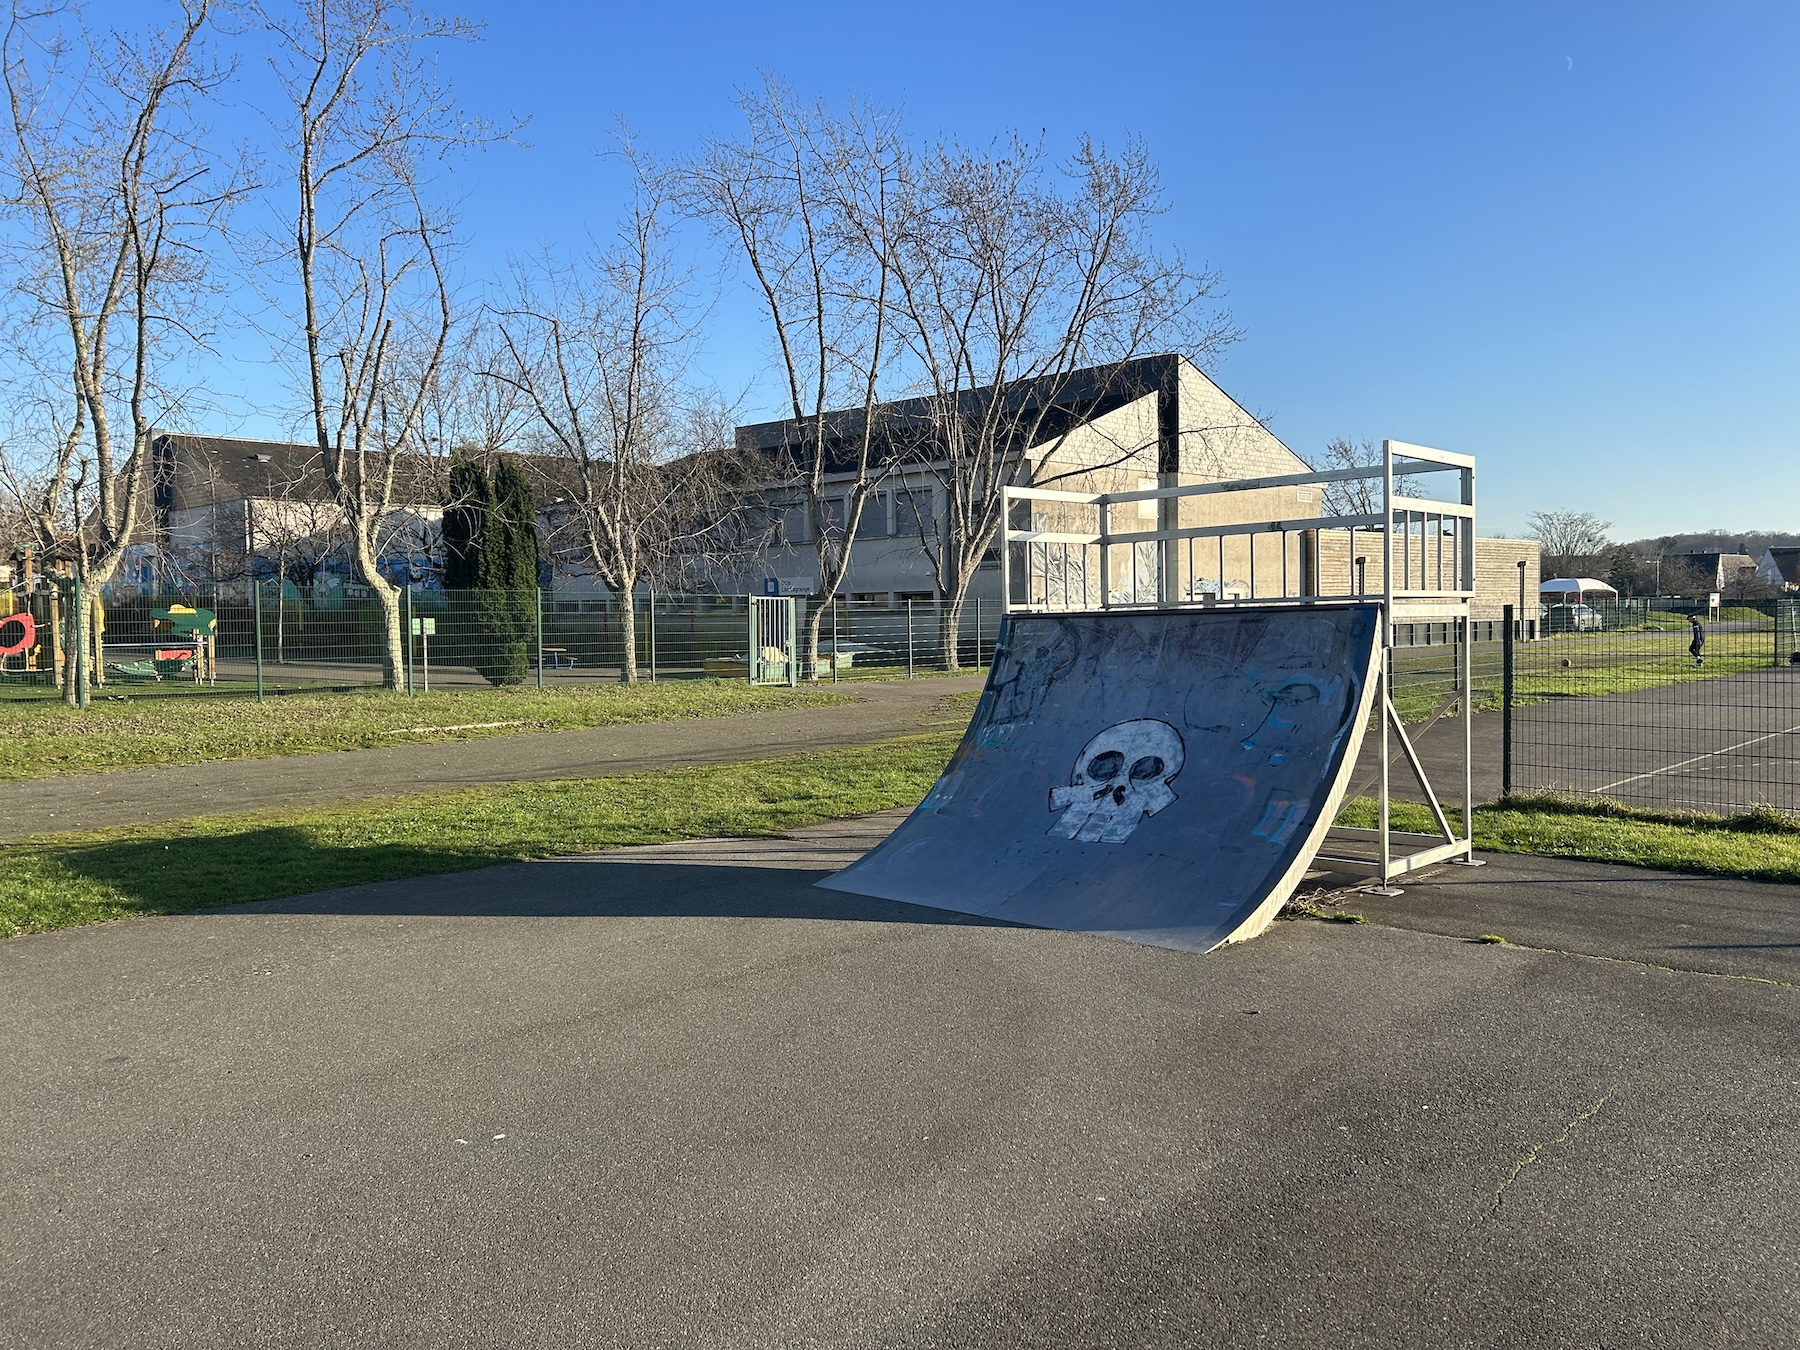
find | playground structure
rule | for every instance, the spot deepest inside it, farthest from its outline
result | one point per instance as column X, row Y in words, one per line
column 1236, row 663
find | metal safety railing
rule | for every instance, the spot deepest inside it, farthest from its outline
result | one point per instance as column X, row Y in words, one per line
column 1065, row 550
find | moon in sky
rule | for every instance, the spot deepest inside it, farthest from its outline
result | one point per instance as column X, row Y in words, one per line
column 1571, row 61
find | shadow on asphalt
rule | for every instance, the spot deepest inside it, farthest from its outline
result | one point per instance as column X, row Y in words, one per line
column 605, row 888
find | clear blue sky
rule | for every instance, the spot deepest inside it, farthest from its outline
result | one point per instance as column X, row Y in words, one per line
column 1561, row 237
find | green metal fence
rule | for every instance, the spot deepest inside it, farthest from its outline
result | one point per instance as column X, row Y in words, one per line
column 1657, row 715
column 272, row 638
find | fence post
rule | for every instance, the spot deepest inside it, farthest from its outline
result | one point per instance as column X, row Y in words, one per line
column 834, row 639
column 539, row 592
column 909, row 640
column 256, row 620
column 80, row 644
column 1506, row 705
column 978, row 631
column 406, row 623
column 652, row 613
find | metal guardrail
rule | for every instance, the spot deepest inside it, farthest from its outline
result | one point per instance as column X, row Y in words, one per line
column 1415, row 554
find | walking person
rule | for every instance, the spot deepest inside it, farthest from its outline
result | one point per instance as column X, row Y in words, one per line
column 1697, row 648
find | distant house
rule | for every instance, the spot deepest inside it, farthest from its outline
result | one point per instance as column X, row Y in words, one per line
column 1780, row 567
column 1714, row 570
column 226, row 509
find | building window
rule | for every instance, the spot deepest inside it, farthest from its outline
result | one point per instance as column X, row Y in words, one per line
column 795, row 527
column 831, row 512
column 874, row 522
column 913, row 514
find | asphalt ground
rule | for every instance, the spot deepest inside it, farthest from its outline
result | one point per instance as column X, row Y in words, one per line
column 680, row 1097
column 884, row 709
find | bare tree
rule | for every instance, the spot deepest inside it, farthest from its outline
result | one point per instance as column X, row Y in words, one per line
column 1015, row 281
column 1358, row 496
column 115, row 195
column 809, row 203
column 15, row 532
column 363, row 116
column 1571, row 540
column 599, row 354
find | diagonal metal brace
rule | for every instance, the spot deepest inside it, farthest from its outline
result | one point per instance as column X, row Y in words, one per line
column 1412, row 758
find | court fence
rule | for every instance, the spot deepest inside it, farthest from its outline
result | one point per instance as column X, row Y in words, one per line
column 266, row 639
column 1625, row 712
column 1657, row 716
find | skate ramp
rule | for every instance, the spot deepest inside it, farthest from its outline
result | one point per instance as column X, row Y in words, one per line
column 1160, row 778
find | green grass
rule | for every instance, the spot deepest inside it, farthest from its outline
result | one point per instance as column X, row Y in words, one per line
column 1744, row 614
column 1656, row 621
column 57, row 881
column 1764, row 844
column 1589, row 676
column 47, row 739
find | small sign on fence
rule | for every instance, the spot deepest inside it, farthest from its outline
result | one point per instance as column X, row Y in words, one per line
column 424, row 627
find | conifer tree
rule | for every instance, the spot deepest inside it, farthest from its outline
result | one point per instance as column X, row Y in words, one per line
column 506, row 576
column 470, row 495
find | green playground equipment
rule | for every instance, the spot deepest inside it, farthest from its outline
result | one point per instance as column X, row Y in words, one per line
column 187, row 653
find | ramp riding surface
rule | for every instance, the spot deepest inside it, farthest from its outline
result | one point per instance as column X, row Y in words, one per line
column 1162, row 778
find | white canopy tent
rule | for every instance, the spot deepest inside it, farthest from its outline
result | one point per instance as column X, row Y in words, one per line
column 1573, row 589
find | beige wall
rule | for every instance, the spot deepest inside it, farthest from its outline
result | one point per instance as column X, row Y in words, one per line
column 1497, row 576
column 1220, row 440
column 1496, row 569
column 1110, row 452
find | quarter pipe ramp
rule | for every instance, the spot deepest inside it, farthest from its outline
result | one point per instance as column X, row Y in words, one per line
column 1161, row 778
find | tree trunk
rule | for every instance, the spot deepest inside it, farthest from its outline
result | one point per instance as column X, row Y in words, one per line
column 950, row 625
column 954, row 579
column 71, row 659
column 814, row 618
column 96, row 639
column 394, row 676
column 628, row 637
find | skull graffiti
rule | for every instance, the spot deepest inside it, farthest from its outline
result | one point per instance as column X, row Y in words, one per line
column 1120, row 776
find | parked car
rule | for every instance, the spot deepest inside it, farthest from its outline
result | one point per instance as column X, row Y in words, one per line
column 1572, row 619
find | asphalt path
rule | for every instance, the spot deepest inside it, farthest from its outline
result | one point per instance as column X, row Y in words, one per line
column 883, row 709
column 680, row 1097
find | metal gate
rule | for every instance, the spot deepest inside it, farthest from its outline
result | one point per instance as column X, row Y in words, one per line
column 773, row 647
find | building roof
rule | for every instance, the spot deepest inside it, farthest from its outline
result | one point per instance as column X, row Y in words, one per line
column 906, row 428
column 1713, row 557
column 1780, row 565
column 199, row 471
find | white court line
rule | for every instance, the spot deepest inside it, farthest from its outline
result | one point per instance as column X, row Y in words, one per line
column 1670, row 768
